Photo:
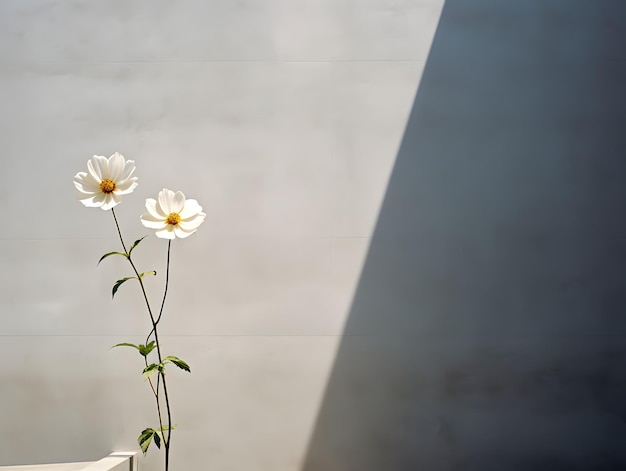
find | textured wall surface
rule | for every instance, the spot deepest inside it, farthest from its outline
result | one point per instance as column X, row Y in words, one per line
column 283, row 118
column 487, row 331
column 386, row 279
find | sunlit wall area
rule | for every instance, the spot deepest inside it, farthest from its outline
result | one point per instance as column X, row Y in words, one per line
column 283, row 119
column 487, row 331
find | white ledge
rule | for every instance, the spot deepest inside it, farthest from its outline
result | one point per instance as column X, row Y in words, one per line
column 116, row 461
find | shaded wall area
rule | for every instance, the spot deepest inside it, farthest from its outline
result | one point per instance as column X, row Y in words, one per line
column 488, row 329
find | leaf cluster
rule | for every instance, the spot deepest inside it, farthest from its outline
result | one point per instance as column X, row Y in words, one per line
column 160, row 367
column 149, row 434
column 144, row 350
column 126, row 255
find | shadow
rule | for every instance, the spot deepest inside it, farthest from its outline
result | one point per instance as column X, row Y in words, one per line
column 488, row 330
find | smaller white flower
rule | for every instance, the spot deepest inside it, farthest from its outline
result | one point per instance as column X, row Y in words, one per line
column 105, row 181
column 171, row 215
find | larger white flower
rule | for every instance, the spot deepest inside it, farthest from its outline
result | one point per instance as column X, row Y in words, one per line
column 171, row 215
column 105, row 181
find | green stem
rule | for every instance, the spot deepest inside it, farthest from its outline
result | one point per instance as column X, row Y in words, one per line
column 167, row 281
column 162, row 373
column 166, row 443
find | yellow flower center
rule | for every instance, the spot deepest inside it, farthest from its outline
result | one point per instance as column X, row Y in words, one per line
column 173, row 219
column 107, row 186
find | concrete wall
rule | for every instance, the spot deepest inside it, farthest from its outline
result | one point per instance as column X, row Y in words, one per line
column 476, row 323
column 283, row 118
column 487, row 331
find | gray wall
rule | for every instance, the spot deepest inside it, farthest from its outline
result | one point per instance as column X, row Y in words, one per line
column 487, row 331
column 474, row 324
column 283, row 118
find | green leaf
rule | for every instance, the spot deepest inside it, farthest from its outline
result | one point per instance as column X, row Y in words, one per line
column 151, row 369
column 111, row 253
column 144, row 350
column 157, row 440
column 178, row 362
column 135, row 244
column 145, row 438
column 128, row 345
column 119, row 283
column 147, row 273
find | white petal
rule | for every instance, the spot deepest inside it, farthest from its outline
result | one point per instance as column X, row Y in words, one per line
column 152, row 207
column 91, row 180
column 178, row 202
column 192, row 224
column 126, row 187
column 165, row 198
column 83, row 192
column 89, row 187
column 191, row 209
column 94, row 201
column 152, row 223
column 84, row 185
column 189, row 226
column 80, row 176
column 150, row 217
column 111, row 200
column 181, row 233
column 116, row 166
column 91, row 201
column 129, row 168
column 166, row 233
column 98, row 167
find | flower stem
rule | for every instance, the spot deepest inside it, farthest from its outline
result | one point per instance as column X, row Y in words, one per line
column 162, row 373
column 154, row 322
column 167, row 280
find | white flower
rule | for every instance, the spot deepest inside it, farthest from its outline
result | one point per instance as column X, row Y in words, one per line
column 171, row 215
column 105, row 181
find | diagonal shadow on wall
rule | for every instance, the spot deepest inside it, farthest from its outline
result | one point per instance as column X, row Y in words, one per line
column 488, row 330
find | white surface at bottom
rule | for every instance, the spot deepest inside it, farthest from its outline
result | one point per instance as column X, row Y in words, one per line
column 51, row 467
column 117, row 461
